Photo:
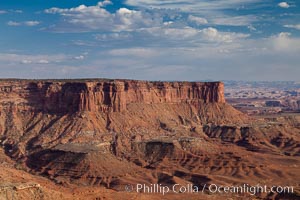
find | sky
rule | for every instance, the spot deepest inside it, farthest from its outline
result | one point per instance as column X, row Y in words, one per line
column 253, row 40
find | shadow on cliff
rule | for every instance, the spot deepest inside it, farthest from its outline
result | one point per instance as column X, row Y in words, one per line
column 57, row 99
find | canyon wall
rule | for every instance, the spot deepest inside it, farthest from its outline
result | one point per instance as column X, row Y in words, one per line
column 71, row 96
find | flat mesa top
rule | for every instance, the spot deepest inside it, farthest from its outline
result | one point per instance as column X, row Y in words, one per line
column 97, row 80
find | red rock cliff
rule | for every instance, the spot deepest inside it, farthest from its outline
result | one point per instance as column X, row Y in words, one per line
column 102, row 95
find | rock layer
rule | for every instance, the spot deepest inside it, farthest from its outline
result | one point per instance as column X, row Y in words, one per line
column 114, row 133
column 103, row 95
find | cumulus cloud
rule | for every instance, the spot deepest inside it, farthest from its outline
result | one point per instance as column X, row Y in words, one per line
column 176, row 39
column 283, row 4
column 197, row 20
column 158, row 23
column 295, row 26
column 3, row 12
column 212, row 34
column 125, row 23
column 284, row 42
column 104, row 3
column 86, row 18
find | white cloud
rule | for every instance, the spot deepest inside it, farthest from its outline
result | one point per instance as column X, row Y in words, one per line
column 86, row 18
column 34, row 61
column 11, row 58
column 26, row 61
column 165, row 43
column 96, row 18
column 244, row 20
column 13, row 23
column 249, row 59
column 168, row 36
column 295, row 26
column 244, row 59
column 283, row 4
column 25, row 23
column 18, row 11
column 212, row 34
column 81, row 9
column 197, row 20
column 43, row 61
column 168, row 23
column 190, row 5
column 171, row 33
column 126, row 19
column 80, row 57
column 10, row 11
column 13, row 11
column 284, row 42
column 104, row 3
column 137, row 52
column 31, row 23
column 112, row 36
column 83, row 43
column 251, row 28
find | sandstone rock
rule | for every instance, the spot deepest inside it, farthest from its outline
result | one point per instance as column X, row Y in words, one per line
column 103, row 96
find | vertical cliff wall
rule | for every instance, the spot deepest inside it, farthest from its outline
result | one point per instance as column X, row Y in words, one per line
column 102, row 95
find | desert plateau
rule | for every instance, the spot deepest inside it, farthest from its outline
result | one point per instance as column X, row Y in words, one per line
column 95, row 138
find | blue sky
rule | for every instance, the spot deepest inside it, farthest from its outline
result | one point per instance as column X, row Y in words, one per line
column 150, row 39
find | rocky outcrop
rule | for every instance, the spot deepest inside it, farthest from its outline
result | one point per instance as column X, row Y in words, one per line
column 112, row 133
column 102, row 95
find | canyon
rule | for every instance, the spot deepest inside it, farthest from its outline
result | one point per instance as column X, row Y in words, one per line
column 90, row 138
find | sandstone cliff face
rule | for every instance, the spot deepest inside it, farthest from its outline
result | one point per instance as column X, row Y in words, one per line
column 102, row 96
column 117, row 132
column 39, row 114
